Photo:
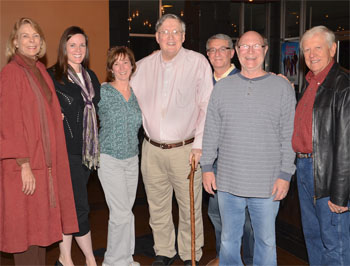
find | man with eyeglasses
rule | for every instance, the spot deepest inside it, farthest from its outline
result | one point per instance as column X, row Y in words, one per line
column 250, row 121
column 220, row 52
column 173, row 87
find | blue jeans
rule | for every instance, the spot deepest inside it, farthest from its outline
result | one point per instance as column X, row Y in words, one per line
column 214, row 215
column 326, row 233
column 248, row 240
column 248, row 236
column 263, row 212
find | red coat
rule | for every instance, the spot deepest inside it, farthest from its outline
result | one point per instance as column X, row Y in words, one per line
column 30, row 220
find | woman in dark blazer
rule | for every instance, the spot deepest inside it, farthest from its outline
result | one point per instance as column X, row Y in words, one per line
column 78, row 91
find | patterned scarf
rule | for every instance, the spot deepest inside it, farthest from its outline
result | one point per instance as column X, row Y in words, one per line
column 91, row 151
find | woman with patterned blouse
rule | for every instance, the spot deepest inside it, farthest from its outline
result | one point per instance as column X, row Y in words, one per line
column 120, row 119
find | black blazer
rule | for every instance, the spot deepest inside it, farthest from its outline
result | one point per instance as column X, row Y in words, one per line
column 331, row 137
column 72, row 106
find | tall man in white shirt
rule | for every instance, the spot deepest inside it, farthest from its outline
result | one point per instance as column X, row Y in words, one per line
column 173, row 87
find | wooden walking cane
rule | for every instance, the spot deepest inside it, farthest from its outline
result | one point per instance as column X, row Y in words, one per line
column 193, row 232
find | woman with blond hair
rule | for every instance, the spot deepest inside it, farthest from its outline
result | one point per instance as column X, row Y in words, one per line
column 36, row 198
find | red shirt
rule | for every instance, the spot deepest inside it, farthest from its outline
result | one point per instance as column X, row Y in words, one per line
column 302, row 135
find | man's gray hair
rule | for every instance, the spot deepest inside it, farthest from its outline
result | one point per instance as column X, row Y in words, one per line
column 172, row 16
column 220, row 36
column 327, row 33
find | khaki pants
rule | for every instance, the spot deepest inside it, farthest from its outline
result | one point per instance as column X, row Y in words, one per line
column 119, row 181
column 165, row 171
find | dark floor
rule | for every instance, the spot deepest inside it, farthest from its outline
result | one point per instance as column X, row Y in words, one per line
column 143, row 249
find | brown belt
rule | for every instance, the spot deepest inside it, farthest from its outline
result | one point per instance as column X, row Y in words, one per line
column 169, row 146
column 304, row 155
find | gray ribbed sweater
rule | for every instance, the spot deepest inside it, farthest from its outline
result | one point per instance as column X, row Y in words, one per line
column 249, row 127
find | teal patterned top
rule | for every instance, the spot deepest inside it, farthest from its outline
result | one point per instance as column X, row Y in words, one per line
column 120, row 121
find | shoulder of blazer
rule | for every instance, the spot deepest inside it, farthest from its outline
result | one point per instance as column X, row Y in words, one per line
column 55, row 81
column 94, row 79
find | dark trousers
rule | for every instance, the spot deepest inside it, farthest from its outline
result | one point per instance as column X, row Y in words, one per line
column 35, row 255
column 80, row 177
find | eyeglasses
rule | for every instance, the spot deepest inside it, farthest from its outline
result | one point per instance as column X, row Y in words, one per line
column 172, row 32
column 255, row 47
column 221, row 50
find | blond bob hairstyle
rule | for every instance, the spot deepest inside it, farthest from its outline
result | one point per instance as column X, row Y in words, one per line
column 115, row 53
column 10, row 46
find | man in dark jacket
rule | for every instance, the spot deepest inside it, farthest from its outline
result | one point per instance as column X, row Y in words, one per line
column 321, row 140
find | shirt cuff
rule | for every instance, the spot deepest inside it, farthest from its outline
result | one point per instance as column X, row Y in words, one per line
column 285, row 176
column 21, row 161
column 207, row 168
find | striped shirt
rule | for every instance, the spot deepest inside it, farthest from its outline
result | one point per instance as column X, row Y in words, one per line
column 249, row 127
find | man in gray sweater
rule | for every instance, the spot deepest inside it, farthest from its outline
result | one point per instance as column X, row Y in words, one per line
column 248, row 128
column 220, row 51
